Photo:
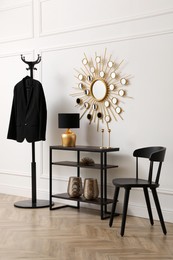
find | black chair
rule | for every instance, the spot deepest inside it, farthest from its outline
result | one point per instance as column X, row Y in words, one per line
column 154, row 154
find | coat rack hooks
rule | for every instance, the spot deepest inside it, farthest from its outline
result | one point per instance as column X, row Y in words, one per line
column 31, row 64
column 34, row 203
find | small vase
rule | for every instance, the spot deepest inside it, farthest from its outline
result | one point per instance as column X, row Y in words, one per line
column 74, row 188
column 91, row 190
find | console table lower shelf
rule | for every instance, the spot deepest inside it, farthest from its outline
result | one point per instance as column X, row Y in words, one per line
column 97, row 201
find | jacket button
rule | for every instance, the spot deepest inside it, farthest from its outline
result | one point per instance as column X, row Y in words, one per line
column 25, row 123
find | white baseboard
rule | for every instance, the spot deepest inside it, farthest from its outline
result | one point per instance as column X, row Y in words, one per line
column 23, row 192
column 133, row 209
column 141, row 211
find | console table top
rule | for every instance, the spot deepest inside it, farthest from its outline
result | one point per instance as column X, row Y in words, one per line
column 85, row 148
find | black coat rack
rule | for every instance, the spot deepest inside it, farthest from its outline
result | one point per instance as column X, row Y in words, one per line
column 32, row 203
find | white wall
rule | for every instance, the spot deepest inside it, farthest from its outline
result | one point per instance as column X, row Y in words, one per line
column 140, row 32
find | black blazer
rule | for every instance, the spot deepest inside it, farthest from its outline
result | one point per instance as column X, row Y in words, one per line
column 29, row 113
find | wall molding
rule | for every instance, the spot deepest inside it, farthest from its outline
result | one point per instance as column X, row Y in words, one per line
column 27, row 35
column 13, row 173
column 14, row 6
column 107, row 41
column 11, row 54
column 104, row 23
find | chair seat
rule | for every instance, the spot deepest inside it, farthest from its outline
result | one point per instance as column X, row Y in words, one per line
column 132, row 182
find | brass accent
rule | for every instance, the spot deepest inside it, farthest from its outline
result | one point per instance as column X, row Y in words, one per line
column 68, row 138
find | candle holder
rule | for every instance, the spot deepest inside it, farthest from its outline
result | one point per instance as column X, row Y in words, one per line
column 109, row 138
column 102, row 139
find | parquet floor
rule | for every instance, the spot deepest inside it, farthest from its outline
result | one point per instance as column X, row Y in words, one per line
column 69, row 234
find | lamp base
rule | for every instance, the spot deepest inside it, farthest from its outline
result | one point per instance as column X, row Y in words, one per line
column 68, row 138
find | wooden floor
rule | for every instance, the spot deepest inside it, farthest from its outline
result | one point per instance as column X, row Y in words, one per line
column 69, row 234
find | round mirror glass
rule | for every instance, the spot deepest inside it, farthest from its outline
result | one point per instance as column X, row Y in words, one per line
column 80, row 85
column 107, row 118
column 87, row 92
column 84, row 61
column 95, row 106
column 121, row 92
column 111, row 87
column 107, row 103
column 114, row 100
column 110, row 64
column 92, row 69
column 118, row 110
column 89, row 78
column 99, row 90
column 80, row 76
column 113, row 75
column 98, row 59
column 102, row 74
column 123, row 81
column 86, row 105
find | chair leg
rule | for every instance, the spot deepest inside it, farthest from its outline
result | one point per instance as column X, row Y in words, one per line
column 126, row 200
column 114, row 205
column 148, row 205
column 155, row 196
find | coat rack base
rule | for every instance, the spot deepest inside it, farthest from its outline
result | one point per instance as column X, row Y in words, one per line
column 28, row 204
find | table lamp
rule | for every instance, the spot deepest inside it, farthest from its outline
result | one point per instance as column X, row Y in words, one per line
column 68, row 120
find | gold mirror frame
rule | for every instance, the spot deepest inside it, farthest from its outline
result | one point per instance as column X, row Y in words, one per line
column 100, row 101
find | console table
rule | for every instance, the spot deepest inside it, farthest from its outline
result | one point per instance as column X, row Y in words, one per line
column 103, row 201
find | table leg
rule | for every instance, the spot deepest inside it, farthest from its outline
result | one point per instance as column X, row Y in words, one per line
column 101, row 185
column 105, row 181
column 50, row 178
column 78, row 173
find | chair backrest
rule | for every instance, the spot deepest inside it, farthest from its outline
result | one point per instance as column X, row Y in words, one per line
column 154, row 154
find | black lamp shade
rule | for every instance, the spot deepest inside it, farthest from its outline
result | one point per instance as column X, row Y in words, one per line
column 70, row 120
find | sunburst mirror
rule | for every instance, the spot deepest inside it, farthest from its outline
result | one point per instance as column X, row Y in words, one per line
column 100, row 89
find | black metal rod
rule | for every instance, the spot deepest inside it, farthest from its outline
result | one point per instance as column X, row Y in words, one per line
column 33, row 172
column 105, row 179
column 33, row 163
column 78, row 173
column 50, row 178
column 101, row 184
column 31, row 65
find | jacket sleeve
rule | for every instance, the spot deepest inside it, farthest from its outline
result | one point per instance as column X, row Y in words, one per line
column 42, row 116
column 12, row 124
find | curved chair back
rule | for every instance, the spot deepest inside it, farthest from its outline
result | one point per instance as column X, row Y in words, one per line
column 154, row 154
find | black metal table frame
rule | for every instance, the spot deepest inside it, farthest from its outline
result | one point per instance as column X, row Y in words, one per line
column 103, row 176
